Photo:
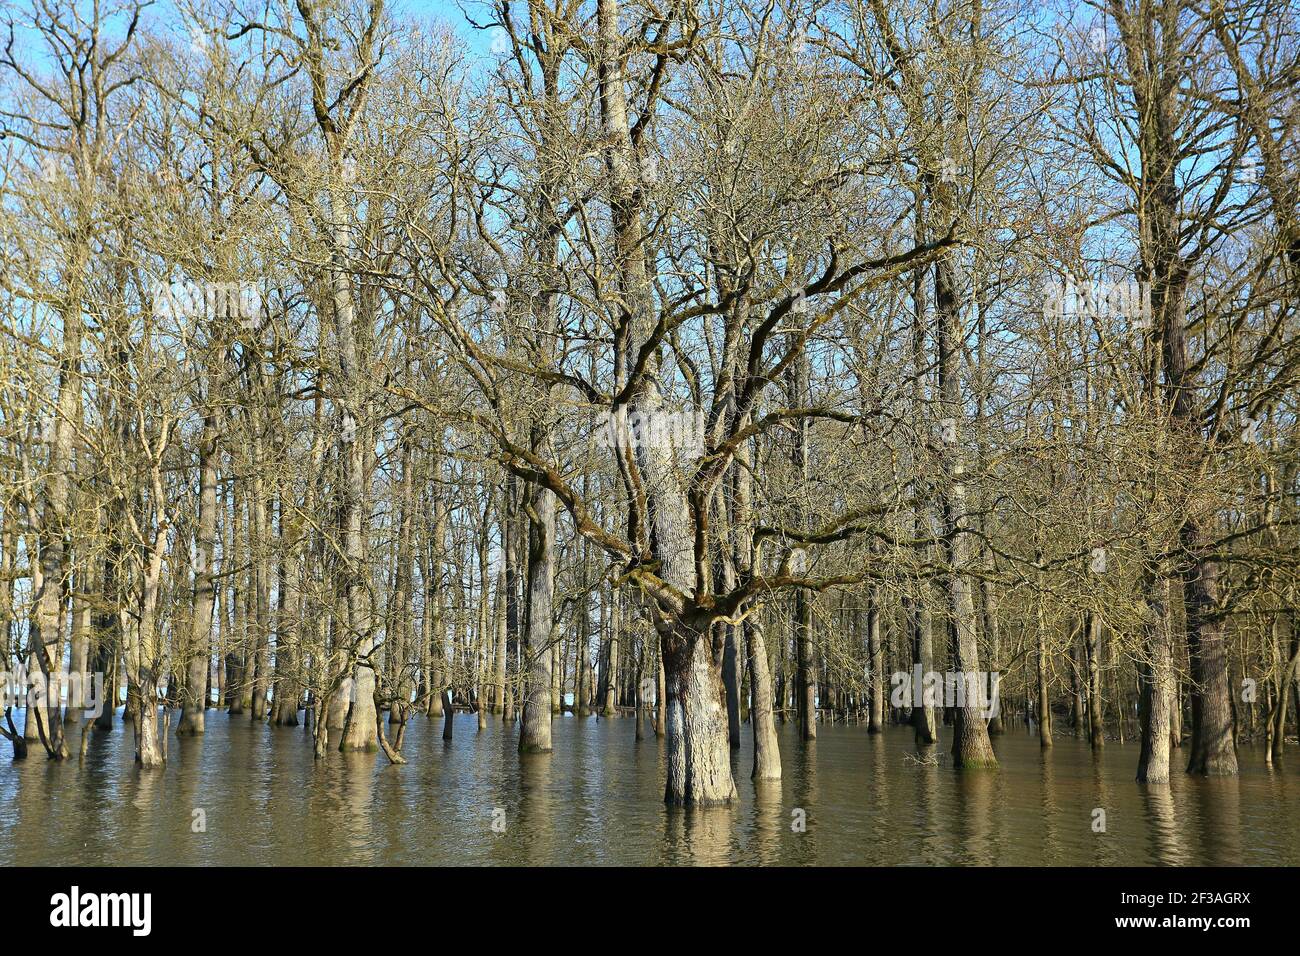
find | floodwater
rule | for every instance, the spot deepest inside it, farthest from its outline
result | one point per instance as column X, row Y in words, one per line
column 255, row 797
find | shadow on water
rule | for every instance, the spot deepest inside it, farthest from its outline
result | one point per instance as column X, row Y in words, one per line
column 252, row 794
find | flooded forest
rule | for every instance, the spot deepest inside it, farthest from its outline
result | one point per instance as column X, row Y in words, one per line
column 867, row 428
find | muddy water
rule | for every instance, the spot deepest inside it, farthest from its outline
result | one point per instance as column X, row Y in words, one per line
column 861, row 799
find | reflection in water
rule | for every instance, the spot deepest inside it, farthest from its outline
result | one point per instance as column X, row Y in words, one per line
column 976, row 794
column 769, row 823
column 1103, row 850
column 803, row 816
column 1218, row 802
column 700, row 837
column 533, row 840
column 868, row 799
column 923, row 768
column 1047, row 792
column 1162, row 826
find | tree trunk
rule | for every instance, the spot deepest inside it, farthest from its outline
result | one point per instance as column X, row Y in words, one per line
column 1092, row 654
column 767, row 754
column 1286, row 682
column 510, row 548
column 1044, row 698
column 875, row 666
column 731, row 681
column 260, row 656
column 970, row 746
column 403, row 600
column 609, row 707
column 50, row 577
column 142, row 652
column 360, row 731
column 499, row 615
column 993, row 636
column 699, row 757
column 1213, row 749
column 1154, row 681
column 200, row 649
column 535, row 724
column 79, row 652
column 433, row 636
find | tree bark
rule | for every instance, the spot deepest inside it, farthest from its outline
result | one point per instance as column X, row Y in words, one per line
column 970, row 747
column 699, row 757
column 1044, row 698
column 535, row 723
column 196, row 683
column 1092, row 654
column 875, row 666
column 1154, row 681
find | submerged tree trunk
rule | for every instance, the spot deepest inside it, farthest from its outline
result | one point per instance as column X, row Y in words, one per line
column 919, row 621
column 993, row 636
column 510, row 560
column 79, row 648
column 290, row 631
column 403, row 599
column 699, row 756
column 1154, row 681
column 1157, row 69
column 200, row 650
column 49, row 578
column 805, row 679
column 1213, row 749
column 1285, row 686
column 433, row 637
column 924, row 722
column 260, row 654
column 1044, row 699
column 970, row 745
column 1077, row 719
column 360, row 731
column 767, row 755
column 875, row 665
column 500, row 626
column 142, row 651
column 731, row 681
column 535, row 723
column 1092, row 654
column 609, row 705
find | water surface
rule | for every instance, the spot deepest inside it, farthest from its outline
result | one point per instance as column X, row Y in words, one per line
column 597, row 799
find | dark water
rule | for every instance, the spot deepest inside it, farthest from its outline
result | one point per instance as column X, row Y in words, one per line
column 597, row 799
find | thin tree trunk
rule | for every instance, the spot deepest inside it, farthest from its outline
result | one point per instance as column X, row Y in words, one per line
column 535, row 724
column 200, row 649
column 971, row 746
column 875, row 665
column 1154, row 680
column 1092, row 654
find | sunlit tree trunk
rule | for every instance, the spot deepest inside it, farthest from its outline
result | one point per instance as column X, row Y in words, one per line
column 1092, row 655
column 876, row 687
column 1044, row 690
column 200, row 648
column 1154, row 682
column 535, row 723
column 971, row 746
